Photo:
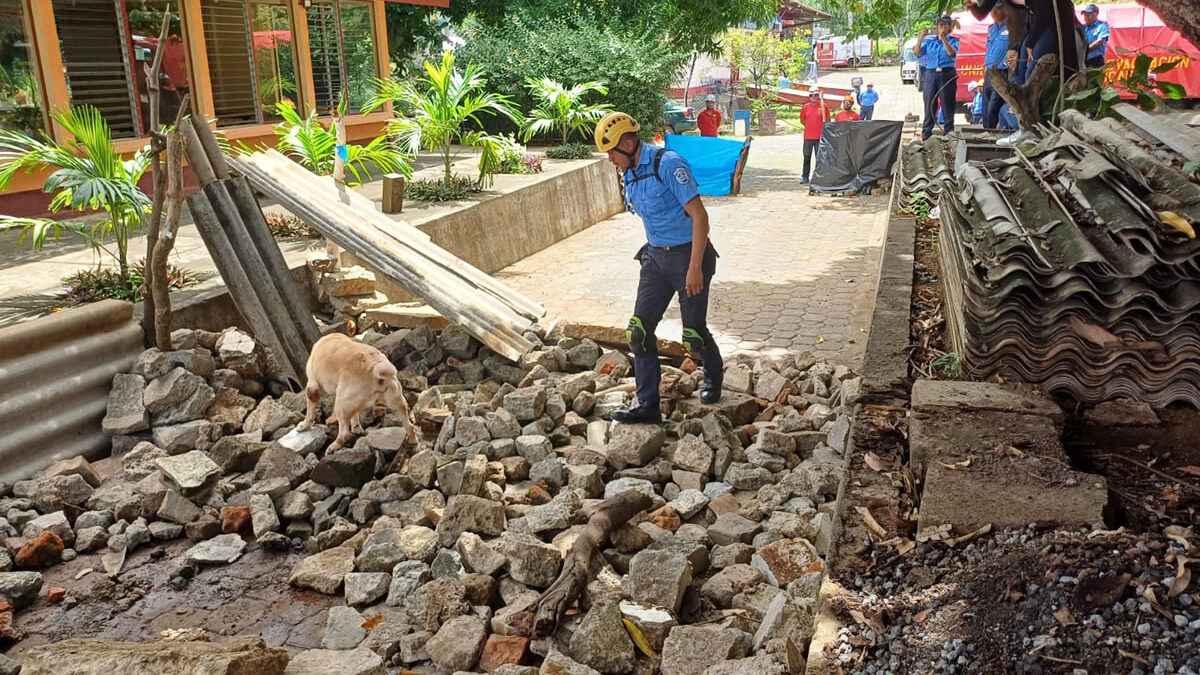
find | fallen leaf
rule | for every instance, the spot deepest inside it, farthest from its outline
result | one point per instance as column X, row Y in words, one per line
column 639, row 638
column 874, row 461
column 905, row 546
column 1183, row 577
column 1092, row 333
column 1177, row 223
column 858, row 616
column 372, row 622
column 870, row 521
column 1190, row 470
column 820, row 340
column 1064, row 618
column 957, row 465
column 920, row 616
column 1130, row 655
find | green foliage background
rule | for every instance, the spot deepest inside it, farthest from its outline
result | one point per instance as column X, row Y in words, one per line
column 636, row 65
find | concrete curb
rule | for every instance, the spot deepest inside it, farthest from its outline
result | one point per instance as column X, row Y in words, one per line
column 885, row 382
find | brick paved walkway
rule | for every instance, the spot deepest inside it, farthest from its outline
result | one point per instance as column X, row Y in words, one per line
column 796, row 272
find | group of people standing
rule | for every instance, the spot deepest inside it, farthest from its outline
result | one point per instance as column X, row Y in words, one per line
column 1022, row 32
column 815, row 113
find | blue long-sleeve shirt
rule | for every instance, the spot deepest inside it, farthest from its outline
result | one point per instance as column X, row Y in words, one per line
column 997, row 46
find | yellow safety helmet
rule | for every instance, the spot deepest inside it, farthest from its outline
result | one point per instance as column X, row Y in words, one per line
column 610, row 129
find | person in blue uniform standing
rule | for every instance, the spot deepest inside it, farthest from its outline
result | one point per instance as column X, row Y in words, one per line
column 994, row 57
column 941, row 74
column 678, row 259
column 1096, row 34
column 867, row 101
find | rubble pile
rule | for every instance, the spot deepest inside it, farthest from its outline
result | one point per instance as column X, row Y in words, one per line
column 461, row 529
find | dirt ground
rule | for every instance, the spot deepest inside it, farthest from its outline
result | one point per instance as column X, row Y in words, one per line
column 250, row 596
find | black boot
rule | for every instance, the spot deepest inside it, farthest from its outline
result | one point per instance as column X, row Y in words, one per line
column 710, row 394
column 639, row 414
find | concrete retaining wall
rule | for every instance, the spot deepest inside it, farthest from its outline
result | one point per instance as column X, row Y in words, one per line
column 496, row 233
column 56, row 372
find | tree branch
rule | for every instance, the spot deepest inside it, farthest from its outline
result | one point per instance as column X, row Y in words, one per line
column 577, row 568
column 176, row 147
column 159, row 180
column 1025, row 100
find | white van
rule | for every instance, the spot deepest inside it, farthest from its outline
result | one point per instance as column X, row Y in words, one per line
column 908, row 62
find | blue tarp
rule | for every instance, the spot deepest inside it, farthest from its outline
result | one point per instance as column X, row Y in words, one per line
column 713, row 160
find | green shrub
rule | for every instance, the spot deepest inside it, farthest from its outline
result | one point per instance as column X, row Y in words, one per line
column 288, row 226
column 572, row 151
column 514, row 158
column 637, row 65
column 440, row 190
column 90, row 285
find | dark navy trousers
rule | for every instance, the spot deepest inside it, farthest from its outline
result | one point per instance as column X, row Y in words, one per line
column 664, row 274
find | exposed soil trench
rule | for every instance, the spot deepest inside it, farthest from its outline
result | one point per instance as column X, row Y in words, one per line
column 1099, row 600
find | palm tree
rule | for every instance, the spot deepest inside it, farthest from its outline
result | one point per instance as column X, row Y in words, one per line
column 89, row 176
column 562, row 108
column 314, row 147
column 442, row 104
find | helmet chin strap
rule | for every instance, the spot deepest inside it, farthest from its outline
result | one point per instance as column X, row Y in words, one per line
column 631, row 155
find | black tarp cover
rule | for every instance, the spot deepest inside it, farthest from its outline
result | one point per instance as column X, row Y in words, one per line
column 853, row 155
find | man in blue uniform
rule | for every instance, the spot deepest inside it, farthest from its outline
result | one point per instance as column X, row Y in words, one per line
column 941, row 74
column 867, row 101
column 678, row 259
column 1096, row 33
column 997, row 48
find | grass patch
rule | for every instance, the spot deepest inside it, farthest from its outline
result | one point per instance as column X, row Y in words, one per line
column 288, row 226
column 571, row 151
column 440, row 190
column 90, row 285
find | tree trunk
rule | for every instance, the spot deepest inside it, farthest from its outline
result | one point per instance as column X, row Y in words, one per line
column 1026, row 99
column 174, row 203
column 577, row 568
column 1182, row 16
column 159, row 180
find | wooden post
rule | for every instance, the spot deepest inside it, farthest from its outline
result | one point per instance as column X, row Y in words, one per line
column 339, row 161
column 393, row 192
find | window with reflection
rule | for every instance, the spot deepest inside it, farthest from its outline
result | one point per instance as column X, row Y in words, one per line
column 20, row 93
column 341, row 37
column 107, row 49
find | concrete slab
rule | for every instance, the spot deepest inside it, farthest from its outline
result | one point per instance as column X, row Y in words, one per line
column 933, row 395
column 953, row 437
column 1010, row 492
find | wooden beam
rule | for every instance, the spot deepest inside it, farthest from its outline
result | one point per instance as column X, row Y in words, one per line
column 383, row 57
column 308, row 90
column 48, row 62
column 192, row 23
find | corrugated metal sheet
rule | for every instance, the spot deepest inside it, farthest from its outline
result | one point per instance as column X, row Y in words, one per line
column 56, row 372
column 1040, row 250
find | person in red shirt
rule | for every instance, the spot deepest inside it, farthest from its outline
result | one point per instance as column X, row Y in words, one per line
column 813, row 116
column 846, row 114
column 709, row 119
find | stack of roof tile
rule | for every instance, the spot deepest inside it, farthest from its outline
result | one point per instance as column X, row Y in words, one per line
column 1073, row 266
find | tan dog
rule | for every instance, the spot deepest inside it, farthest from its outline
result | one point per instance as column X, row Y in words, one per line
column 359, row 376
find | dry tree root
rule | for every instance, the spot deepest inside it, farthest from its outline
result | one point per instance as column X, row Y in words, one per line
column 577, row 568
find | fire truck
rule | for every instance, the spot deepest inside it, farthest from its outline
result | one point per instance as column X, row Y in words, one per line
column 1135, row 29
